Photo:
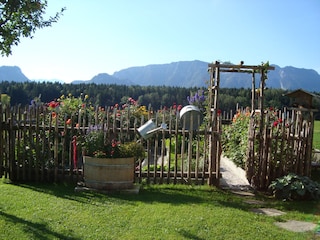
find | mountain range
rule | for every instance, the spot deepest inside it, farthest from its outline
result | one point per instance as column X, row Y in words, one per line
column 189, row 74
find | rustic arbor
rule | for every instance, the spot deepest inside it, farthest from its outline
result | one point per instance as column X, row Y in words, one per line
column 280, row 141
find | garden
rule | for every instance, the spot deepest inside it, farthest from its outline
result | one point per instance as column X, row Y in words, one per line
column 172, row 211
column 45, row 146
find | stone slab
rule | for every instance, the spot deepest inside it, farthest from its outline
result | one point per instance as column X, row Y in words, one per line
column 268, row 211
column 243, row 193
column 296, row 226
column 254, row 202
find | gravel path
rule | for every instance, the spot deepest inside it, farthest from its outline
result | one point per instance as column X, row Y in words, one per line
column 233, row 177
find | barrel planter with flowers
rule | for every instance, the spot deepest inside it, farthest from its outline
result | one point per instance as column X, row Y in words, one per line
column 108, row 173
column 109, row 164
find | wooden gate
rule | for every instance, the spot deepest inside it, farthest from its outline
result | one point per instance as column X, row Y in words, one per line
column 278, row 145
column 215, row 70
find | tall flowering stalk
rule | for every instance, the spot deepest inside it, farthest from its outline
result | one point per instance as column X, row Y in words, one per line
column 198, row 99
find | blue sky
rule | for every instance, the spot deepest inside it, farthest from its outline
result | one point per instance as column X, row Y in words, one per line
column 104, row 36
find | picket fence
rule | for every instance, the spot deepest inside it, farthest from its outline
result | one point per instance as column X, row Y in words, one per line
column 279, row 143
column 35, row 146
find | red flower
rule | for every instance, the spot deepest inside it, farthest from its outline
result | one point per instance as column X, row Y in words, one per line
column 68, row 122
column 275, row 123
column 53, row 104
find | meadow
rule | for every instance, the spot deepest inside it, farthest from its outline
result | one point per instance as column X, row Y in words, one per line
column 56, row 211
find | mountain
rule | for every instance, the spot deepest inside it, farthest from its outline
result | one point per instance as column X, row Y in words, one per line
column 186, row 73
column 104, row 78
column 194, row 74
column 190, row 74
column 12, row 74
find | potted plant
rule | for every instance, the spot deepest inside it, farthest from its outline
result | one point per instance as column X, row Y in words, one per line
column 108, row 163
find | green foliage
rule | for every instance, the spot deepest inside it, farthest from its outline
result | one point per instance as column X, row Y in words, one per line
column 133, row 149
column 235, row 138
column 155, row 96
column 96, row 143
column 294, row 187
column 316, row 135
column 69, row 108
column 22, row 19
column 5, row 100
column 151, row 168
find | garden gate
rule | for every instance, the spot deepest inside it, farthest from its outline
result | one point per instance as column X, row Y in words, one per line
column 279, row 141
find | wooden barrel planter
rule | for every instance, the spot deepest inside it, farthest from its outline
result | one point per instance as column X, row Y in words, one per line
column 108, row 173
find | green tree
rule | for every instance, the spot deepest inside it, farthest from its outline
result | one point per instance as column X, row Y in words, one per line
column 21, row 18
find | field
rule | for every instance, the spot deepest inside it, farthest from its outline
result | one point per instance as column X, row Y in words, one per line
column 157, row 212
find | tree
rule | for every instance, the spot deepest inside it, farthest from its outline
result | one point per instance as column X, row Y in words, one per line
column 21, row 18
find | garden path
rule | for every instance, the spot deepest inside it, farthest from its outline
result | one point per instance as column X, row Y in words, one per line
column 233, row 177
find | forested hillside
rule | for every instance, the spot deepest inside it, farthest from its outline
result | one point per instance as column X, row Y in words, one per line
column 156, row 96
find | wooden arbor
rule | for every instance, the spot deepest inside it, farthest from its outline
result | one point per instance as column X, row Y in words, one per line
column 215, row 69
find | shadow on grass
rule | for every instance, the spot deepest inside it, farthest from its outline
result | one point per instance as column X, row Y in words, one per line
column 37, row 230
column 164, row 194
column 170, row 194
column 149, row 194
column 187, row 235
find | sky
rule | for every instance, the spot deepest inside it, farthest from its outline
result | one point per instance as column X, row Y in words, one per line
column 105, row 36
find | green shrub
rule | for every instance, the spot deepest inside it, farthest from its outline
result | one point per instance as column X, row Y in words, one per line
column 235, row 139
column 294, row 187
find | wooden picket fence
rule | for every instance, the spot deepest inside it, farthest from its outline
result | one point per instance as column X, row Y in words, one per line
column 35, row 146
column 279, row 143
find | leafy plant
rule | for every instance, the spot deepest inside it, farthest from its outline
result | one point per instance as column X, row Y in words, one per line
column 235, row 138
column 21, row 19
column 97, row 144
column 294, row 187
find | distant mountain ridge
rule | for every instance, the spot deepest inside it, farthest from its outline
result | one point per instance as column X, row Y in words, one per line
column 190, row 74
column 12, row 74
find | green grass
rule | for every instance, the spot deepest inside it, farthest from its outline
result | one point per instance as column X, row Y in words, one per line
column 316, row 135
column 157, row 212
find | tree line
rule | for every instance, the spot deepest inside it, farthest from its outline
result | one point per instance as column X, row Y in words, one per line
column 155, row 96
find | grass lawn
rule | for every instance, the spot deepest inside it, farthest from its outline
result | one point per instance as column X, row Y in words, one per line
column 316, row 135
column 158, row 212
